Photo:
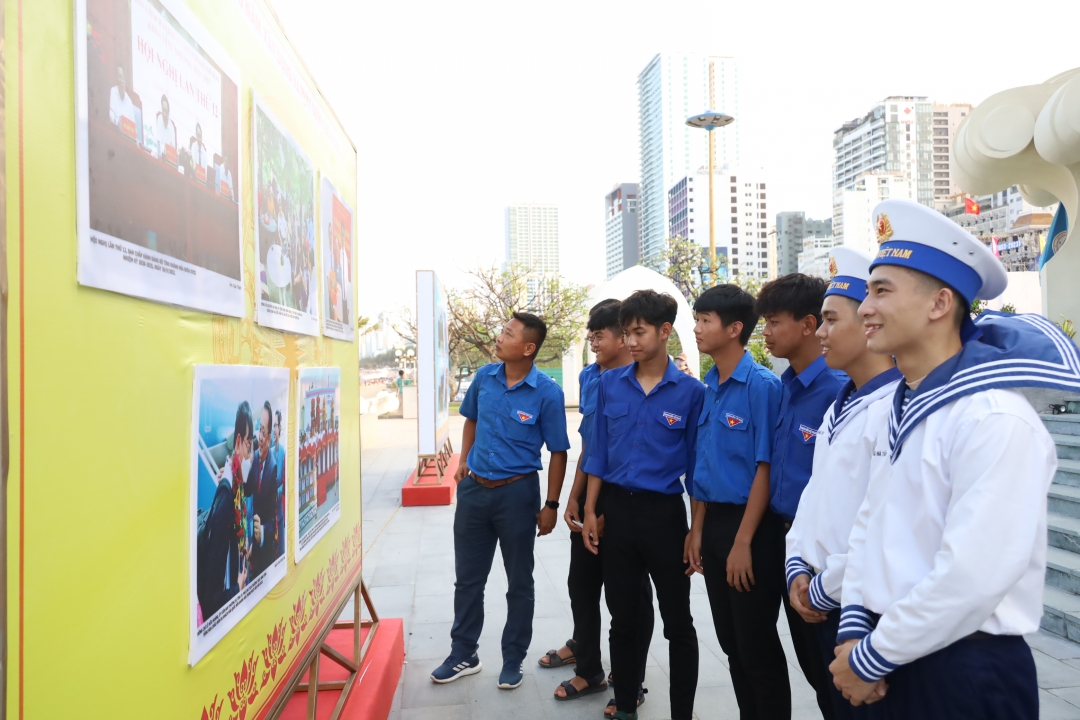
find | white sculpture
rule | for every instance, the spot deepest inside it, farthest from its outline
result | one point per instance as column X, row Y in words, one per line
column 1030, row 136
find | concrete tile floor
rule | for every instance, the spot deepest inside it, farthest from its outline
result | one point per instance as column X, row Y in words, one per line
column 409, row 570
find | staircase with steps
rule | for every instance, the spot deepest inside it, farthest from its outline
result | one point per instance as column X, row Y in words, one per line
column 1061, row 600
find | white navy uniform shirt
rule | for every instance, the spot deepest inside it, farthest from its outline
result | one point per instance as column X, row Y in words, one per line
column 951, row 538
column 817, row 543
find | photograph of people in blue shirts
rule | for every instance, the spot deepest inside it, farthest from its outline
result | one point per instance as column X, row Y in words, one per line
column 585, row 579
column 643, row 441
column 733, row 534
column 791, row 307
column 512, row 410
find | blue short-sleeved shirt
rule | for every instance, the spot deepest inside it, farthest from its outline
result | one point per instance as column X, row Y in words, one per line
column 735, row 431
column 588, row 381
column 513, row 423
column 645, row 442
column 805, row 399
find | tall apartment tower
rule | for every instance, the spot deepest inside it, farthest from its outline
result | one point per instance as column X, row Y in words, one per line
column 740, row 202
column 671, row 88
column 532, row 237
column 853, row 208
column 621, row 228
column 946, row 120
column 792, row 228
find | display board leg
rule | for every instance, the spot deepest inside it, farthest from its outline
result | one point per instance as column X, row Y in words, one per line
column 440, row 461
column 360, row 599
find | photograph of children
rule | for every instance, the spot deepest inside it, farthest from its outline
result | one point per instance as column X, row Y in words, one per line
column 285, row 228
column 238, row 498
column 335, row 223
column 157, row 143
column 318, row 410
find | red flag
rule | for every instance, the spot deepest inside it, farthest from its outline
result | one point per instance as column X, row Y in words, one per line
column 971, row 207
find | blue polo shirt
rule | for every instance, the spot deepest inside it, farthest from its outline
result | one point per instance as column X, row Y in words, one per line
column 513, row 423
column 735, row 431
column 805, row 399
column 645, row 442
column 588, row 382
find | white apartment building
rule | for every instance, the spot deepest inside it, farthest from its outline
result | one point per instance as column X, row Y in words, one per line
column 814, row 257
column 946, row 120
column 853, row 208
column 792, row 228
column 621, row 239
column 998, row 212
column 740, row 202
column 671, row 88
column 532, row 237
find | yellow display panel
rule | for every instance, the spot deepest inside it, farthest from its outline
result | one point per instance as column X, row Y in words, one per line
column 99, row 410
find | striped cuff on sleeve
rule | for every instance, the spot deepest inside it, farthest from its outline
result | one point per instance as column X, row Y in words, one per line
column 856, row 622
column 867, row 663
column 818, row 599
column 795, row 567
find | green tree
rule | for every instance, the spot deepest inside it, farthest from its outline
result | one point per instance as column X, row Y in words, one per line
column 682, row 262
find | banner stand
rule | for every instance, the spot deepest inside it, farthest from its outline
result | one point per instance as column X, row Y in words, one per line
column 440, row 461
column 310, row 664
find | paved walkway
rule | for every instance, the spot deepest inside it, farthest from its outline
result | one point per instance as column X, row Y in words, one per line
column 409, row 569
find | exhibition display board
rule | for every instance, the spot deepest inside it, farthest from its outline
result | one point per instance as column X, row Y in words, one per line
column 434, row 449
column 169, row 380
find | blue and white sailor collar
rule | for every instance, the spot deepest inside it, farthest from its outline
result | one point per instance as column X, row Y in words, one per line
column 1007, row 351
column 851, row 401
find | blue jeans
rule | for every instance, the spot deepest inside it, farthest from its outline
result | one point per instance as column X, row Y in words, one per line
column 485, row 516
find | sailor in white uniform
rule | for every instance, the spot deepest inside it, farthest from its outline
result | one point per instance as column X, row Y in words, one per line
column 817, row 543
column 948, row 552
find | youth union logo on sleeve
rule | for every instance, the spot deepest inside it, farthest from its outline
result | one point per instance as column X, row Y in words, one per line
column 808, row 433
column 672, row 418
column 524, row 416
column 733, row 420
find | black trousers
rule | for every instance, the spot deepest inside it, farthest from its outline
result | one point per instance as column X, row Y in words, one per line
column 644, row 535
column 805, row 637
column 842, row 709
column 746, row 621
column 585, row 581
column 982, row 677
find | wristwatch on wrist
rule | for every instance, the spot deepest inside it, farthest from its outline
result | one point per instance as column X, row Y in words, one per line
column 553, row 504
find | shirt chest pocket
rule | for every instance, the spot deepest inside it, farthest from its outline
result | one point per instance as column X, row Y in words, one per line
column 617, row 416
column 806, row 436
column 734, row 422
column 520, row 424
column 668, row 428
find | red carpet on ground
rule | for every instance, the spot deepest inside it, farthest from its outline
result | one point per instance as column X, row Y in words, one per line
column 429, row 491
column 373, row 692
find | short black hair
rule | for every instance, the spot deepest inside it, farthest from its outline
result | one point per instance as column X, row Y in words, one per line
column 648, row 305
column 243, row 427
column 535, row 325
column 731, row 304
column 277, row 414
column 798, row 294
column 269, row 411
column 605, row 316
column 932, row 284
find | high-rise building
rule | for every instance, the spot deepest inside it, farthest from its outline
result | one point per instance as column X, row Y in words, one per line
column 853, row 208
column 894, row 137
column 814, row 257
column 741, row 205
column 621, row 228
column 791, row 229
column 671, row 88
column 998, row 212
column 946, row 120
column 532, row 237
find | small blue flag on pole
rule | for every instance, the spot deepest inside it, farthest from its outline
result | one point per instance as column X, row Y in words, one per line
column 1055, row 237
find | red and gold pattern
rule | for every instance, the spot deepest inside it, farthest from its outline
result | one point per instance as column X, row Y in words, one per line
column 213, row 712
column 245, row 689
column 274, row 653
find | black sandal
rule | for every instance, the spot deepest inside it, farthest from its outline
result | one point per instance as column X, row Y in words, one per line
column 611, row 702
column 595, row 685
column 553, row 659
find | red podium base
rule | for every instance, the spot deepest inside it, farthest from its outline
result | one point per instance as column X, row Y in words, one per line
column 429, row 491
column 373, row 693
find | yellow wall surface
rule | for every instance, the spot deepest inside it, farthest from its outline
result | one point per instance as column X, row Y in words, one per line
column 100, row 400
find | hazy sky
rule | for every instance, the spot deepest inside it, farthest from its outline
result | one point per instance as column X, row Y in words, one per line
column 459, row 109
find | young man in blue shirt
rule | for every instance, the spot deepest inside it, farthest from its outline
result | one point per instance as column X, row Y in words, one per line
column 586, row 577
column 733, row 532
column 791, row 306
column 643, row 442
column 511, row 409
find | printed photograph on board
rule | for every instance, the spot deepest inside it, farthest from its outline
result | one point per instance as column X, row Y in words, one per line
column 287, row 279
column 318, row 412
column 239, row 437
column 157, row 141
column 442, row 361
column 336, row 222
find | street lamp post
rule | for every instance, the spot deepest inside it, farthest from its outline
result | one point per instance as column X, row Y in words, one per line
column 710, row 120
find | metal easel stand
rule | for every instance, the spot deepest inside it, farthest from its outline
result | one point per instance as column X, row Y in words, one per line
column 321, row 647
column 440, row 461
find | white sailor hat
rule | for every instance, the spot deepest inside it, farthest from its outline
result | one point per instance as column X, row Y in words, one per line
column 914, row 236
column 849, row 270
